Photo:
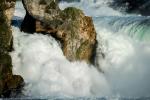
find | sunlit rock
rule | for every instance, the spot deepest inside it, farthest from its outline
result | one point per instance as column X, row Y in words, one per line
column 71, row 27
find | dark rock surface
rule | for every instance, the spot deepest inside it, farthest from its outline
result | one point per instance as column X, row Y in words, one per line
column 9, row 83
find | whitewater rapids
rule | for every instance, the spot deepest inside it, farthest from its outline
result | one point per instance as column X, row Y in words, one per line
column 124, row 40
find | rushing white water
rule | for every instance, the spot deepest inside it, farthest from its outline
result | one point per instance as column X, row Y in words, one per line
column 39, row 58
column 126, row 65
column 48, row 73
column 93, row 9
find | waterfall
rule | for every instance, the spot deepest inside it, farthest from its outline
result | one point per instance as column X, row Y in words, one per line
column 135, row 27
column 124, row 39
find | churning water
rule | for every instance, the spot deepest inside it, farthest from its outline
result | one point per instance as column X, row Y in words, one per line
column 123, row 38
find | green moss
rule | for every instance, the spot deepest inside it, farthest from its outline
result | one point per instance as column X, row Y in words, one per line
column 5, row 65
column 72, row 12
column 5, row 33
column 84, row 46
column 1, row 76
column 5, row 59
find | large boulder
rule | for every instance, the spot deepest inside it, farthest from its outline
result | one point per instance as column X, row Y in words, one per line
column 70, row 26
column 9, row 83
column 42, row 10
column 77, row 34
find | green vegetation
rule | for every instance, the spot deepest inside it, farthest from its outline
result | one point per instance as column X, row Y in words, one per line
column 5, row 32
column 72, row 12
column 81, row 52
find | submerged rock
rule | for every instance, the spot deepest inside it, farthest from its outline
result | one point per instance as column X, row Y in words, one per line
column 9, row 83
column 70, row 26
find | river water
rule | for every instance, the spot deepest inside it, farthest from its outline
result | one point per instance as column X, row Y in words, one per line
column 124, row 39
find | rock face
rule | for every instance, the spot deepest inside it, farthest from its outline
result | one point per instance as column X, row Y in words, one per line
column 70, row 26
column 78, row 35
column 9, row 84
column 42, row 10
column 9, row 9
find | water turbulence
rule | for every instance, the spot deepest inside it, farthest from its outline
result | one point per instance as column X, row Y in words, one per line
column 135, row 27
column 124, row 40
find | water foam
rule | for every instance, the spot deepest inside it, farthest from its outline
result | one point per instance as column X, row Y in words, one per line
column 126, row 63
column 39, row 59
column 92, row 8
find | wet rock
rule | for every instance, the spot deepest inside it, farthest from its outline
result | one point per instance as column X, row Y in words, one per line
column 43, row 10
column 9, row 9
column 5, row 29
column 8, row 81
column 78, row 34
column 13, row 85
column 70, row 26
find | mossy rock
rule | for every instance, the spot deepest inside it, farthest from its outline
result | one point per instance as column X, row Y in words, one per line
column 84, row 51
column 5, row 59
column 5, row 33
column 5, row 65
column 72, row 12
column 8, row 81
column 70, row 26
